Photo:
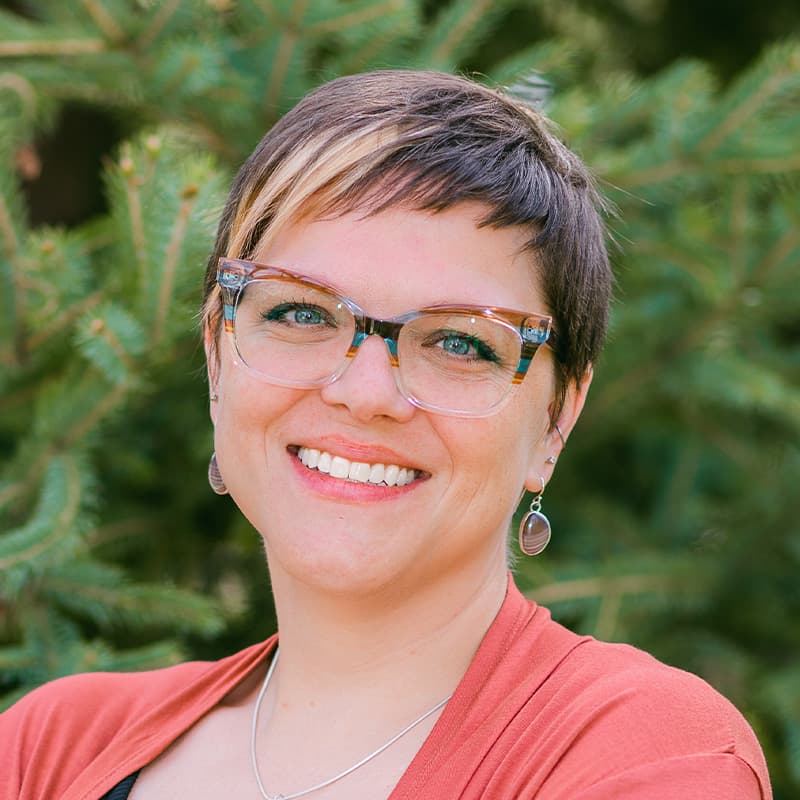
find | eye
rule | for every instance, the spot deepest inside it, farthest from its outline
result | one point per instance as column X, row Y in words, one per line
column 300, row 315
column 462, row 345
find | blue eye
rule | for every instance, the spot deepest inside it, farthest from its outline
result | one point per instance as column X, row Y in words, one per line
column 457, row 345
column 307, row 316
column 463, row 346
column 300, row 314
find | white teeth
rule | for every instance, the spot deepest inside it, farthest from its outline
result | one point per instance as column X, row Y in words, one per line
column 390, row 474
column 357, row 471
column 340, row 467
column 376, row 473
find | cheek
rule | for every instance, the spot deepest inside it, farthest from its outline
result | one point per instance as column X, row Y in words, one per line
column 248, row 442
column 517, row 441
column 247, row 411
column 491, row 456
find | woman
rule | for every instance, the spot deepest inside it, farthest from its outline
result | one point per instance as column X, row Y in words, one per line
column 407, row 294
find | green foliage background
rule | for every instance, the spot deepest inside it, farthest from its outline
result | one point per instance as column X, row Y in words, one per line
column 675, row 506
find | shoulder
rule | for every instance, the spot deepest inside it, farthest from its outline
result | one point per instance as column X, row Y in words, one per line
column 618, row 687
column 84, row 726
column 624, row 710
column 593, row 711
column 92, row 702
column 620, row 681
column 55, row 731
column 115, row 698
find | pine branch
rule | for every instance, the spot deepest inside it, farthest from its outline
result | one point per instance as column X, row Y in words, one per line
column 270, row 11
column 780, row 691
column 22, row 397
column 740, row 196
column 354, row 18
column 108, row 403
column 655, row 174
column 160, row 20
column 22, row 486
column 23, row 88
column 112, row 340
column 15, row 660
column 100, row 592
column 63, row 319
column 359, row 58
column 176, row 240
column 777, row 165
column 287, row 42
column 52, row 47
column 780, row 251
column 9, row 235
column 608, row 615
column 588, row 588
column 57, row 512
column 153, row 656
column 456, row 26
column 18, row 298
column 104, row 20
column 121, row 529
column 551, row 59
column 9, row 698
column 132, row 182
column 775, row 81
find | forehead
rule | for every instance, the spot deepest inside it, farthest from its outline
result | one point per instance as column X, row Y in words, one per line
column 400, row 259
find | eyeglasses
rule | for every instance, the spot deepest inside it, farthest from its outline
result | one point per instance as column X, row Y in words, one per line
column 293, row 331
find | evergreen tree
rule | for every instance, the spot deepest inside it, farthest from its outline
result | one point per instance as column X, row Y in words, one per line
column 675, row 506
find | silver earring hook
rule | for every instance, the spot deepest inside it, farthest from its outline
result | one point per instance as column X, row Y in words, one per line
column 536, row 502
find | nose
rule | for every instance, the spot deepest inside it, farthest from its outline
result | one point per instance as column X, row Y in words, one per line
column 367, row 387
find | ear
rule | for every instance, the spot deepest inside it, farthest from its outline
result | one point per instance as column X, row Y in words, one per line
column 553, row 444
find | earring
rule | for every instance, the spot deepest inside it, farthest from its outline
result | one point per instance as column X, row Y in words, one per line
column 215, row 476
column 534, row 529
column 550, row 460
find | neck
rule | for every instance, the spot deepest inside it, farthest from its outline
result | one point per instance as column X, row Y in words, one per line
column 388, row 640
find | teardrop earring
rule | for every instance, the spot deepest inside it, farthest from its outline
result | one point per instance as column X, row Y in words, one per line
column 215, row 480
column 534, row 529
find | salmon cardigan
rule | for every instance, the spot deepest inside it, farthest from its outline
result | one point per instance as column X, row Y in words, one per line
column 540, row 713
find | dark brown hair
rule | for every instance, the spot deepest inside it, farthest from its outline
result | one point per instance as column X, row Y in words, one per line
column 428, row 141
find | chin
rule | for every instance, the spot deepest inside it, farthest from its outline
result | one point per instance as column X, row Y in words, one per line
column 351, row 569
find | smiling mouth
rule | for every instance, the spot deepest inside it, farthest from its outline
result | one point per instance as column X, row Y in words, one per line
column 355, row 471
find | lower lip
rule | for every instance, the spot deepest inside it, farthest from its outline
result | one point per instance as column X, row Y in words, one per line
column 348, row 491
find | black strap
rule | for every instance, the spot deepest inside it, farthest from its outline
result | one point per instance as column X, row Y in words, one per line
column 122, row 789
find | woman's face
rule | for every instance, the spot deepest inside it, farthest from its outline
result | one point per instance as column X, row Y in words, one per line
column 356, row 537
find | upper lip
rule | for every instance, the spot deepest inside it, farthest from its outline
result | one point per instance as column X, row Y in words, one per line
column 357, row 451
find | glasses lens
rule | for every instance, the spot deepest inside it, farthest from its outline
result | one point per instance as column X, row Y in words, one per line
column 292, row 332
column 456, row 362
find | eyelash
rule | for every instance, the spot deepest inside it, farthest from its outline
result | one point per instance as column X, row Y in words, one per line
column 276, row 313
column 483, row 350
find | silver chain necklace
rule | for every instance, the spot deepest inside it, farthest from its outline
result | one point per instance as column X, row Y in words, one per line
column 267, row 796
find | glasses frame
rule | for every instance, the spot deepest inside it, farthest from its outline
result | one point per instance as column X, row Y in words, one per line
column 235, row 274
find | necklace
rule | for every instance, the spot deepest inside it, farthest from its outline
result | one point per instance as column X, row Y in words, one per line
column 267, row 796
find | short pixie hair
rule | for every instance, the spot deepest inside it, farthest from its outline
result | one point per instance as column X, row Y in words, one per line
column 428, row 141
